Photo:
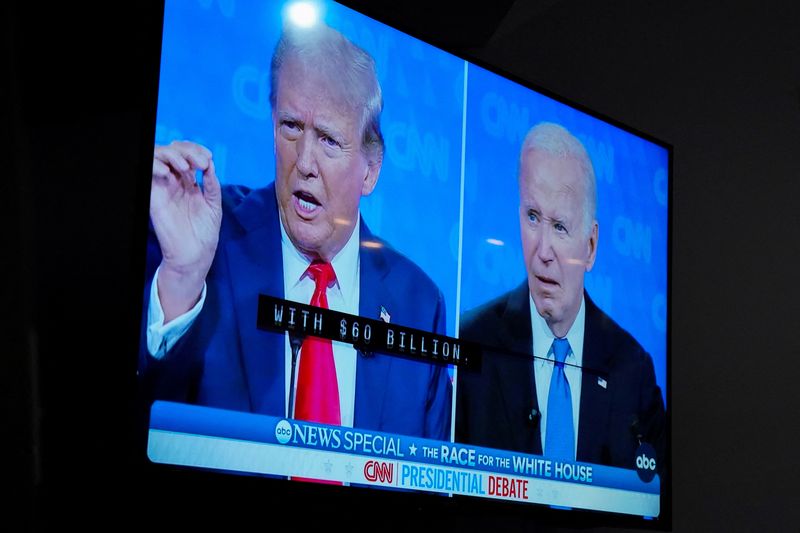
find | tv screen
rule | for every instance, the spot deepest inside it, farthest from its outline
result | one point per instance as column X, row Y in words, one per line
column 372, row 263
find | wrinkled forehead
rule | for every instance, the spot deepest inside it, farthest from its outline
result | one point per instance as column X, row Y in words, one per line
column 550, row 174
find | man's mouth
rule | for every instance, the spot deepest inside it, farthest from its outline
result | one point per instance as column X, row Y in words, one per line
column 306, row 202
column 547, row 281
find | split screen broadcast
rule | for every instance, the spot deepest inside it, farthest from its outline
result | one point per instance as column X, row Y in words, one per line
column 371, row 262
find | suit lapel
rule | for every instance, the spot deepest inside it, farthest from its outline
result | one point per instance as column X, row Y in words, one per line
column 517, row 372
column 255, row 266
column 373, row 293
column 595, row 388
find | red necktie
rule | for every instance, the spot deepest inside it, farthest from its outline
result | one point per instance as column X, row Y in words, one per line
column 317, row 387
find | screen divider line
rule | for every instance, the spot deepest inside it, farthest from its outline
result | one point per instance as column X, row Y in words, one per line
column 460, row 241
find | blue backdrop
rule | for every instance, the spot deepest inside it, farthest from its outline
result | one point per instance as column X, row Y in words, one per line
column 214, row 89
column 629, row 278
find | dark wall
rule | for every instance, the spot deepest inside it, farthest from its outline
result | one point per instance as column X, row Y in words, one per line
column 720, row 83
column 76, row 107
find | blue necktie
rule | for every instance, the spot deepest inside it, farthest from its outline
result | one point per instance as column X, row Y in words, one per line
column 560, row 438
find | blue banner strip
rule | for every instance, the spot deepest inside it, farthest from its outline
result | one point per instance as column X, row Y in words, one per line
column 198, row 420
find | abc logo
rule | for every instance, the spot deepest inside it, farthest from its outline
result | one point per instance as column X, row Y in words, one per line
column 283, row 431
column 646, row 462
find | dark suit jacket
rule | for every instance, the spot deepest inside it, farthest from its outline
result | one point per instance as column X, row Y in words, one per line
column 494, row 404
column 225, row 361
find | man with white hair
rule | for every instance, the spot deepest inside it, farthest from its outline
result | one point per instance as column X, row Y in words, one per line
column 301, row 238
column 559, row 377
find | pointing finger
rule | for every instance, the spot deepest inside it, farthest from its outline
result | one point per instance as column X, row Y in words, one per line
column 196, row 154
column 161, row 170
column 173, row 158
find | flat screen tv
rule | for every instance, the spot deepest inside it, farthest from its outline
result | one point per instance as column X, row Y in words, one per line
column 374, row 264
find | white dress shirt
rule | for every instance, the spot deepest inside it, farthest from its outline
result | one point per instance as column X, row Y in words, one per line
column 342, row 297
column 162, row 337
column 298, row 287
column 544, row 360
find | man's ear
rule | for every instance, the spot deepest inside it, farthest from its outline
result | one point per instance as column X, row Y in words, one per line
column 591, row 246
column 371, row 177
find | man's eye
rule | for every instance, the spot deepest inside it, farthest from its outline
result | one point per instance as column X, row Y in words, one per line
column 290, row 125
column 330, row 141
column 533, row 217
column 560, row 227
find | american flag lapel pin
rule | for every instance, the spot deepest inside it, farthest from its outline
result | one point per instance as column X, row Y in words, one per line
column 385, row 316
column 602, row 382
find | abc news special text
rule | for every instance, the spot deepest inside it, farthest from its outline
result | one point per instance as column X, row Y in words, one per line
column 197, row 436
column 420, row 464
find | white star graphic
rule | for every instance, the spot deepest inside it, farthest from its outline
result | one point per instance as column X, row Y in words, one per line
column 412, row 449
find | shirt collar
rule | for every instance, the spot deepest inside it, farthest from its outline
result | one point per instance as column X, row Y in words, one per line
column 543, row 337
column 344, row 263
